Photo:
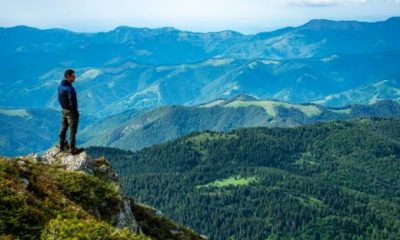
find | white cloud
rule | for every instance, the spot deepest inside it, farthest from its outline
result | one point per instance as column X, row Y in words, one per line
column 323, row 3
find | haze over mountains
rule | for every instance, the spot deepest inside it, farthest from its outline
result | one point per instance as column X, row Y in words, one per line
column 142, row 68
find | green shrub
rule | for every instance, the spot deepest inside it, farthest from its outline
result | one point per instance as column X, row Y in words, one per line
column 99, row 197
column 76, row 229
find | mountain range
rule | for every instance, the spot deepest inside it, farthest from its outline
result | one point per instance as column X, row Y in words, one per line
column 365, row 94
column 144, row 68
column 317, row 38
column 133, row 130
column 136, row 129
column 27, row 130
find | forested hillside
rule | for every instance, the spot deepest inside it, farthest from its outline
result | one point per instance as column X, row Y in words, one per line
column 134, row 130
column 332, row 180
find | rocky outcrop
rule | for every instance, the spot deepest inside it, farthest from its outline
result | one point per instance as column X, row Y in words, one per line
column 83, row 162
column 99, row 167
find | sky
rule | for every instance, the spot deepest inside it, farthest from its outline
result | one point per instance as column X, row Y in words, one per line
column 245, row 16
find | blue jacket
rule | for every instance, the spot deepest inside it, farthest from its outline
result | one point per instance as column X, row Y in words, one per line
column 67, row 96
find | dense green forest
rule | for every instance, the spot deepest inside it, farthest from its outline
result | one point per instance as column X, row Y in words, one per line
column 331, row 180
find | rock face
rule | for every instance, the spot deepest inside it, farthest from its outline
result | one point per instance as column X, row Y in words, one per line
column 81, row 162
column 99, row 167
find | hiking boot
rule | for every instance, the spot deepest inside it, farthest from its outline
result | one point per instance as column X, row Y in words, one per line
column 64, row 146
column 76, row 151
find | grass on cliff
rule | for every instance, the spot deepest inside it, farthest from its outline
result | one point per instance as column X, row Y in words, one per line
column 39, row 201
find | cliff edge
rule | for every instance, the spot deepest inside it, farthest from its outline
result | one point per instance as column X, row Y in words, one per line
column 61, row 196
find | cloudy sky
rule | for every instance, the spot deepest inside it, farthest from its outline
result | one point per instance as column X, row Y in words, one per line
column 246, row 16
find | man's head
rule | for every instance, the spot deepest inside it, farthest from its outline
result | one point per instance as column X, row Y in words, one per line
column 69, row 75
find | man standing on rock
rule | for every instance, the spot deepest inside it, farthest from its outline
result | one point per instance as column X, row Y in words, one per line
column 69, row 112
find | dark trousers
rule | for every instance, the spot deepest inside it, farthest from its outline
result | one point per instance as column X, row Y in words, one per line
column 71, row 120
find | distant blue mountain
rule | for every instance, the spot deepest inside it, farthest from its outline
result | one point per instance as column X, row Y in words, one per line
column 143, row 68
column 108, row 90
column 27, row 130
column 366, row 94
column 317, row 38
column 31, row 130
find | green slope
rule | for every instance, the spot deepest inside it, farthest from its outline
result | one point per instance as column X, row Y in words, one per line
column 42, row 201
column 134, row 130
column 332, row 180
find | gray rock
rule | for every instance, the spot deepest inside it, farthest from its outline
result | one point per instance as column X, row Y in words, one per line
column 34, row 157
column 127, row 219
column 25, row 183
column 99, row 167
